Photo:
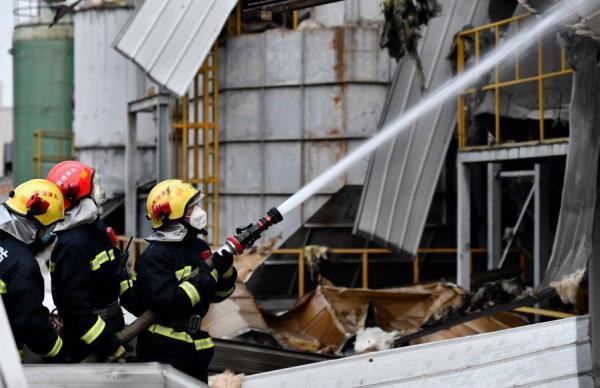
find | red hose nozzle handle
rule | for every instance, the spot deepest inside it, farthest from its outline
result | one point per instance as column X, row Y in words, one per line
column 245, row 237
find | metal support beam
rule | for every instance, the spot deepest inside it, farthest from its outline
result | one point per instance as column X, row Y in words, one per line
column 594, row 296
column 131, row 177
column 517, row 174
column 517, row 225
column 542, row 234
column 278, row 6
column 494, row 215
column 463, row 227
column 514, row 153
column 164, row 151
column 159, row 106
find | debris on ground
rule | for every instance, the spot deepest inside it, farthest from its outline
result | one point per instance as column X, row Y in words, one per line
column 343, row 321
column 227, row 379
column 373, row 339
column 495, row 293
column 331, row 314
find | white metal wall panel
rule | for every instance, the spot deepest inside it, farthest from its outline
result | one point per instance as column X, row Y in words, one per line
column 555, row 353
column 170, row 39
column 292, row 104
column 403, row 176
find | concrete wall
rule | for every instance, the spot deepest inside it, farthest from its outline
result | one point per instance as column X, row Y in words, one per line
column 292, row 104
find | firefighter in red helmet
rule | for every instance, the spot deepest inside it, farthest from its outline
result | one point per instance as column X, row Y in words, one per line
column 85, row 267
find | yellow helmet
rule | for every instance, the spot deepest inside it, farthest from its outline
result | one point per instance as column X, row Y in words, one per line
column 39, row 199
column 168, row 201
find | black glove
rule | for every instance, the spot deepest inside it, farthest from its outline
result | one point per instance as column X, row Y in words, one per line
column 204, row 283
column 222, row 261
column 60, row 358
column 107, row 345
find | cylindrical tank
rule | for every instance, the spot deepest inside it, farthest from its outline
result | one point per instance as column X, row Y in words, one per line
column 293, row 103
column 43, row 90
column 106, row 82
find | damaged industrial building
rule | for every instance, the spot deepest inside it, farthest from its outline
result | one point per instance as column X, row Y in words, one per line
column 430, row 166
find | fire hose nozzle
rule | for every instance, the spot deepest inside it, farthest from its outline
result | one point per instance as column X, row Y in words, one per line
column 246, row 236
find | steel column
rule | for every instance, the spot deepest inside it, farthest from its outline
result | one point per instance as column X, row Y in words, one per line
column 159, row 105
column 164, row 160
column 131, row 176
column 463, row 227
column 542, row 233
column 494, row 215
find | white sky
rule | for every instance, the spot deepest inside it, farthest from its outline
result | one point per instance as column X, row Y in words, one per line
column 6, row 27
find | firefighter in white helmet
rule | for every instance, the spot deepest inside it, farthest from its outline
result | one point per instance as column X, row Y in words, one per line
column 164, row 284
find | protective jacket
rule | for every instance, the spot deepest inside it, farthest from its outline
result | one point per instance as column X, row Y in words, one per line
column 164, row 286
column 22, row 291
column 85, row 269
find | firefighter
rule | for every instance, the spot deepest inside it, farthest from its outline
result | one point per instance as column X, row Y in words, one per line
column 166, row 285
column 26, row 218
column 85, row 267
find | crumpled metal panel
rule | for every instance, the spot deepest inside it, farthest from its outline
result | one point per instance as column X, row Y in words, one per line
column 403, row 175
column 169, row 40
column 577, row 222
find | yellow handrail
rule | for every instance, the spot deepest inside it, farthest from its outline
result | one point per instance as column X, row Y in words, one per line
column 61, row 137
column 497, row 85
column 205, row 117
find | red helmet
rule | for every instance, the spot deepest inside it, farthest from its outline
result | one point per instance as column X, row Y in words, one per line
column 74, row 179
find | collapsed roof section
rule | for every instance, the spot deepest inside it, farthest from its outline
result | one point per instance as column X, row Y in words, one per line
column 402, row 176
column 169, row 40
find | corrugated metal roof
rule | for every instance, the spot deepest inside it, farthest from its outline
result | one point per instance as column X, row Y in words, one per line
column 402, row 176
column 551, row 354
column 169, row 40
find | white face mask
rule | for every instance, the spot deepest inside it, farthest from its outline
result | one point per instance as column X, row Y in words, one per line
column 198, row 218
column 98, row 192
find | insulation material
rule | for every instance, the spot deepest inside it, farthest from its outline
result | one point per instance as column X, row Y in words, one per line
column 373, row 339
column 227, row 379
column 573, row 243
column 247, row 262
column 313, row 255
column 401, row 33
column 234, row 316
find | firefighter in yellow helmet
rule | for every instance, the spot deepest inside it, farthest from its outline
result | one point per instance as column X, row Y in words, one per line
column 26, row 219
column 165, row 286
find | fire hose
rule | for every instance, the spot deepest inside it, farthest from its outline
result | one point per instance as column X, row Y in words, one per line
column 235, row 245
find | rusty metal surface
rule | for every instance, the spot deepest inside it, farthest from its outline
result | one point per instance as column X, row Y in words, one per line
column 402, row 176
column 295, row 102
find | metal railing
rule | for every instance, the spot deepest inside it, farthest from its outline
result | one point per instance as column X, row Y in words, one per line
column 138, row 245
column 474, row 37
column 63, row 144
column 194, row 113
